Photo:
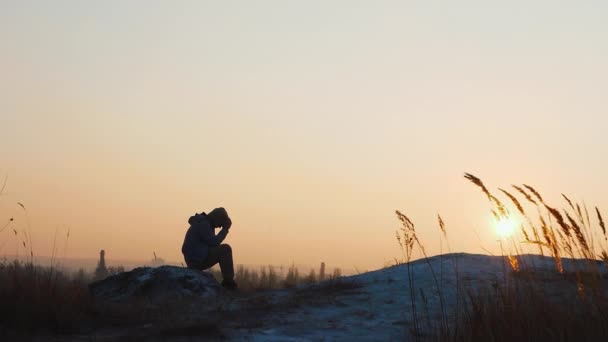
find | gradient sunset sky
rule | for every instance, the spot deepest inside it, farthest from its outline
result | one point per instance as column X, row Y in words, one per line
column 309, row 121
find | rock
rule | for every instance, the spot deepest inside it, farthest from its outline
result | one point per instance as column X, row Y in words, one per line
column 158, row 284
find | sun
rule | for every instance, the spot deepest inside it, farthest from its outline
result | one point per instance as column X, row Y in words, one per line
column 505, row 227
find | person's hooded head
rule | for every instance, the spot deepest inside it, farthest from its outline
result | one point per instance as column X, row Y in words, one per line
column 218, row 217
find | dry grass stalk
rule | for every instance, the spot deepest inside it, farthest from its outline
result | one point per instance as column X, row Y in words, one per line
column 495, row 214
column 409, row 235
column 407, row 244
column 4, row 184
column 537, row 238
column 576, row 208
column 579, row 213
column 514, row 263
column 580, row 237
column 479, row 183
column 602, row 225
column 499, row 206
column 580, row 289
column 535, row 193
column 526, row 195
column 569, row 201
column 545, row 230
column 552, row 244
column 441, row 225
column 560, row 219
column 563, row 225
column 604, row 257
column 587, row 215
column 523, row 231
column 515, row 201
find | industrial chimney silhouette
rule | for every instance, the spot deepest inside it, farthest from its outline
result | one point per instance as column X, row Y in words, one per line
column 102, row 270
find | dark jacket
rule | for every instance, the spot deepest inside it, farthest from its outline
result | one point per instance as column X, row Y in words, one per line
column 199, row 238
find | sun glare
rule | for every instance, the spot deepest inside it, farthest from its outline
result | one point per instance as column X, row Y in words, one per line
column 505, row 227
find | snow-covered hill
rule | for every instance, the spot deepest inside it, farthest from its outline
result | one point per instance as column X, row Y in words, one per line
column 373, row 306
column 376, row 306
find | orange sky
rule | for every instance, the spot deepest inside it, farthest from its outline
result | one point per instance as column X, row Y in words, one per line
column 311, row 123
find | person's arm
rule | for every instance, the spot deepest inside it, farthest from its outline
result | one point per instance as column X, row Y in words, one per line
column 207, row 235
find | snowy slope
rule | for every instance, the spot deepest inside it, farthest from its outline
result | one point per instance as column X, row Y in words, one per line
column 376, row 306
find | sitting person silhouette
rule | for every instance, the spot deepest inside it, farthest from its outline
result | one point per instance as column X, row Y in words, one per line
column 202, row 248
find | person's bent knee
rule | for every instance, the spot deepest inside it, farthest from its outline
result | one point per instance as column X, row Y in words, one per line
column 226, row 248
column 193, row 266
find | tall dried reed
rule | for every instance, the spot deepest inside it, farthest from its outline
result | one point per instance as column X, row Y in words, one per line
column 526, row 313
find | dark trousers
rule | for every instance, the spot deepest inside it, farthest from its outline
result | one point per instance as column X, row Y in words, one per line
column 221, row 254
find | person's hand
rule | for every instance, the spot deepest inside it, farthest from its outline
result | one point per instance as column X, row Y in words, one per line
column 228, row 223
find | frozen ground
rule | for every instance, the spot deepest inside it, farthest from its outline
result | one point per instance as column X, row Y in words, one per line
column 373, row 306
column 376, row 306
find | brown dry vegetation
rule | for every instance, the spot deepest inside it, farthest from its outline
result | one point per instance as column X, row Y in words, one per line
column 525, row 310
column 38, row 299
column 524, row 307
column 272, row 277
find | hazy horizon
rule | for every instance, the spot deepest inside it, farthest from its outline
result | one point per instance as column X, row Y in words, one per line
column 310, row 122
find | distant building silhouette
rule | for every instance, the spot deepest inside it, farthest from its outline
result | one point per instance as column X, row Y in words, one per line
column 322, row 272
column 101, row 271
